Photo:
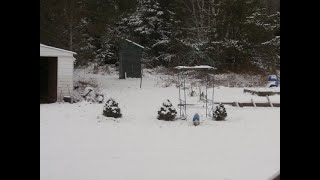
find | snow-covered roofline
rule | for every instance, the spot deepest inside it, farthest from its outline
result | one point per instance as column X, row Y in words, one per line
column 194, row 67
column 135, row 43
column 57, row 49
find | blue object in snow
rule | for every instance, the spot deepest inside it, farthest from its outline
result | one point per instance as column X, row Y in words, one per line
column 196, row 117
column 273, row 81
column 272, row 78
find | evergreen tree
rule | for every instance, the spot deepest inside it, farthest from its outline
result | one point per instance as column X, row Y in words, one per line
column 233, row 35
column 167, row 112
column 151, row 26
column 220, row 113
column 111, row 109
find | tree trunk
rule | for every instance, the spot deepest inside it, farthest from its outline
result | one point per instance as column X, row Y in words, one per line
column 71, row 7
column 195, row 17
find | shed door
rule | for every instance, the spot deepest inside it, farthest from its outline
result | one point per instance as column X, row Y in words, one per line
column 48, row 79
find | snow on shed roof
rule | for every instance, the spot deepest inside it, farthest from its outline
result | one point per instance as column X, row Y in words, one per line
column 194, row 67
column 135, row 43
column 63, row 50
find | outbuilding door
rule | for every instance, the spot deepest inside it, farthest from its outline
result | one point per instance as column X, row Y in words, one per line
column 48, row 79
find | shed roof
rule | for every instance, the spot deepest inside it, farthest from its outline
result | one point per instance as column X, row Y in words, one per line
column 201, row 67
column 57, row 49
column 135, row 43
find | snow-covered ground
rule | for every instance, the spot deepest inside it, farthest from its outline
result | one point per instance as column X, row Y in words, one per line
column 78, row 142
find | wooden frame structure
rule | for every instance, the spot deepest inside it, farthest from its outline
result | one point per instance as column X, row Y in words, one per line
column 182, row 75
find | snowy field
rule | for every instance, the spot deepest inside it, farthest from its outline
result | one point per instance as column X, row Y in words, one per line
column 77, row 142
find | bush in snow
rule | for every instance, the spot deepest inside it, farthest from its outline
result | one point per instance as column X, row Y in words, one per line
column 111, row 109
column 220, row 113
column 167, row 112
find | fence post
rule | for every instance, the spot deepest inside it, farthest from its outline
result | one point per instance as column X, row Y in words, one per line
column 271, row 105
column 254, row 104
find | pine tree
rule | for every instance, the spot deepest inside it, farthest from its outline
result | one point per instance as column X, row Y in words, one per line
column 111, row 109
column 263, row 33
column 108, row 51
column 235, row 35
column 167, row 112
column 220, row 112
column 151, row 25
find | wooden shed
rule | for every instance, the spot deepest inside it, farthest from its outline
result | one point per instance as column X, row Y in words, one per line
column 56, row 73
column 130, row 54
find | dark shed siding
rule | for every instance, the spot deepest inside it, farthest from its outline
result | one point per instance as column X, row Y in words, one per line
column 130, row 60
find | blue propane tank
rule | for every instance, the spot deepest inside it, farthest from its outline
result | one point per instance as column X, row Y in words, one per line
column 196, row 119
column 273, row 81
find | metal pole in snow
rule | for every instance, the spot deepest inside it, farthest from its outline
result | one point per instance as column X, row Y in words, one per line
column 132, row 70
column 179, row 84
column 212, row 92
column 141, row 79
column 185, row 98
column 206, row 95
